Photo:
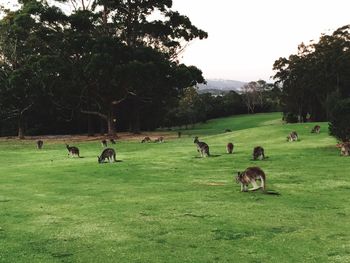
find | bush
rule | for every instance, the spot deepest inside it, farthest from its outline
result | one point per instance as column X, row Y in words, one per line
column 290, row 117
column 339, row 125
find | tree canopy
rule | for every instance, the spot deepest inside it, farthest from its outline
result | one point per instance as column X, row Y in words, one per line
column 319, row 72
column 108, row 60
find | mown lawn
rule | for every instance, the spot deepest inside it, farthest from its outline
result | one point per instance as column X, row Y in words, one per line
column 162, row 203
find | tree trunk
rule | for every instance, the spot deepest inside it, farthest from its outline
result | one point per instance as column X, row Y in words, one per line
column 111, row 125
column 90, row 126
column 102, row 126
column 20, row 127
column 136, row 117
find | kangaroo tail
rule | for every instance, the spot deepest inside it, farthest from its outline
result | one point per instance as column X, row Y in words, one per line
column 263, row 182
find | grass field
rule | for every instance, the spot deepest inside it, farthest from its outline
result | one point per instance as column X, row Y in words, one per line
column 162, row 203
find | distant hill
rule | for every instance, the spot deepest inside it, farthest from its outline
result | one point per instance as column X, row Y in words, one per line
column 222, row 85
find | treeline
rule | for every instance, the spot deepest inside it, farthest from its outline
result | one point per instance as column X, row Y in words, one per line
column 316, row 79
column 193, row 107
column 92, row 65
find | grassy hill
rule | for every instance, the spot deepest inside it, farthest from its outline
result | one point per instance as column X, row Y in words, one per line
column 162, row 203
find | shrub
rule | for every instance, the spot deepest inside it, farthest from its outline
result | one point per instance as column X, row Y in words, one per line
column 290, row 117
column 339, row 125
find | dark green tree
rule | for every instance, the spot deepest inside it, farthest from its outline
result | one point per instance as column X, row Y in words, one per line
column 309, row 78
column 26, row 36
column 339, row 123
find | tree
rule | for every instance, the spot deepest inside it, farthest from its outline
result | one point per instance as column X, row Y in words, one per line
column 101, row 58
column 339, row 125
column 251, row 95
column 149, row 45
column 309, row 78
column 25, row 37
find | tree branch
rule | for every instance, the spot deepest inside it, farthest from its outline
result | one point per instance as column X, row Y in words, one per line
column 96, row 113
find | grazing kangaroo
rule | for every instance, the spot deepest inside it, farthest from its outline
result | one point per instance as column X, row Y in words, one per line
column 108, row 154
column 316, row 129
column 160, row 139
column 146, row 139
column 104, row 143
column 72, row 150
column 202, row 147
column 229, row 147
column 258, row 153
column 292, row 137
column 112, row 141
column 344, row 148
column 251, row 175
column 39, row 144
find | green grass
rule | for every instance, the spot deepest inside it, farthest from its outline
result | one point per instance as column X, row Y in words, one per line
column 161, row 203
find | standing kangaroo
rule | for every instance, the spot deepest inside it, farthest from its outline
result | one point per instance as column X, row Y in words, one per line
column 251, row 175
column 258, row 153
column 229, row 147
column 39, row 144
column 202, row 147
column 108, row 154
column 72, row 151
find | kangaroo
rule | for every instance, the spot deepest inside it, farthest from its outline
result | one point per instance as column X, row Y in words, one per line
column 258, row 153
column 112, row 141
column 229, row 147
column 108, row 154
column 160, row 139
column 250, row 175
column 146, row 139
column 72, row 150
column 202, row 147
column 316, row 129
column 344, row 148
column 292, row 137
column 39, row 144
column 104, row 143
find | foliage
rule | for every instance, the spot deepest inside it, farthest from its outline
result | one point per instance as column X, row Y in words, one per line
column 310, row 77
column 290, row 117
column 339, row 125
column 108, row 59
column 26, row 44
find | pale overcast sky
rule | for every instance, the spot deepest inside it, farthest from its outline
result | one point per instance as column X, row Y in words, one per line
column 247, row 36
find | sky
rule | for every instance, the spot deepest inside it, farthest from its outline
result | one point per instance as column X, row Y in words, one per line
column 247, row 36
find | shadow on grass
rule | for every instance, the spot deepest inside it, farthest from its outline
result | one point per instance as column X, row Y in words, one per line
column 210, row 156
column 260, row 191
column 271, row 192
column 265, row 159
column 116, row 161
column 61, row 254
